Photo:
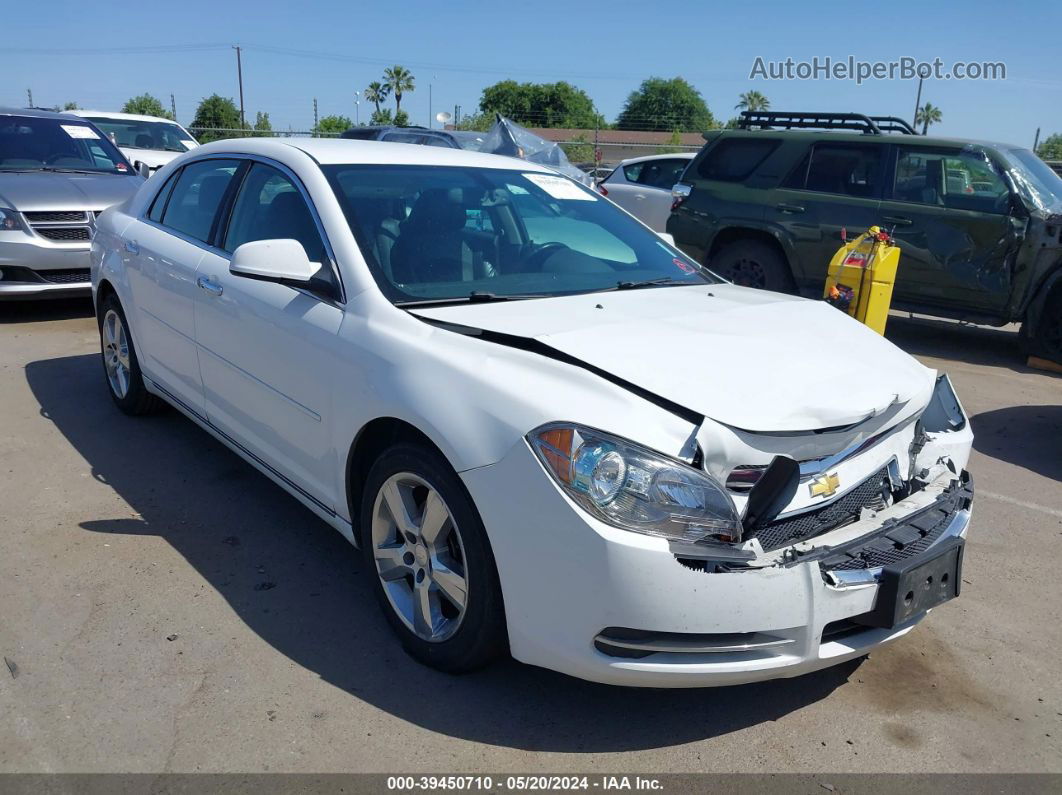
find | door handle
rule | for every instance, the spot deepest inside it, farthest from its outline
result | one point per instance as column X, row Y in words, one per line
column 132, row 246
column 211, row 287
column 897, row 220
column 789, row 208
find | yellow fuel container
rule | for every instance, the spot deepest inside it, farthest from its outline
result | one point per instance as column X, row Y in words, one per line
column 861, row 276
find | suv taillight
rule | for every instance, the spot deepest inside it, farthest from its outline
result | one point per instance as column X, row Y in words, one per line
column 679, row 194
column 602, row 190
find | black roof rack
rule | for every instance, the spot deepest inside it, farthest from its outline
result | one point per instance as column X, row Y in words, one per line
column 873, row 125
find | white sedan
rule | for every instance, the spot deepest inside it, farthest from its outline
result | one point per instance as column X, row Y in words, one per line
column 147, row 140
column 549, row 432
column 642, row 186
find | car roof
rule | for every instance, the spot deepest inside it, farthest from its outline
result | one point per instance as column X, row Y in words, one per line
column 33, row 113
column 849, row 137
column 110, row 114
column 341, row 151
column 644, row 158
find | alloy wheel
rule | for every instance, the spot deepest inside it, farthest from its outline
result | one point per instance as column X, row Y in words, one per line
column 116, row 353
column 747, row 272
column 419, row 557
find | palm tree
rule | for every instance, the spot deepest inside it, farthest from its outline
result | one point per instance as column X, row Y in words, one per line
column 927, row 114
column 376, row 93
column 753, row 100
column 398, row 80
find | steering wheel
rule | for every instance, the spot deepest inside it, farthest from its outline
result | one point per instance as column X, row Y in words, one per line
column 537, row 256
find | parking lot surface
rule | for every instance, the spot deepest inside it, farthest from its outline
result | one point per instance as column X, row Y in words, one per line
column 163, row 607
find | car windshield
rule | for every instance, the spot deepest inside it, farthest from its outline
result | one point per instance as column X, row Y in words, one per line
column 34, row 143
column 439, row 233
column 135, row 134
column 1036, row 180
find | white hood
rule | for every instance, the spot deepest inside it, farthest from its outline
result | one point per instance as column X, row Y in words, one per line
column 751, row 359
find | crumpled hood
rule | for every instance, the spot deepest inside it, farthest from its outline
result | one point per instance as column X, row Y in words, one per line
column 45, row 190
column 751, row 359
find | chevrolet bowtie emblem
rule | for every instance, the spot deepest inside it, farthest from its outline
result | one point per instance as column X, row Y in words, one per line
column 824, row 485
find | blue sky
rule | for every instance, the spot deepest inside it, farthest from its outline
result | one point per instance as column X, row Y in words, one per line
column 459, row 47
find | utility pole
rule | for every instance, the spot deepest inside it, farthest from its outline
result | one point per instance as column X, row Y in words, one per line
column 430, row 124
column 357, row 108
column 29, row 96
column 239, row 76
column 1036, row 140
column 457, row 116
column 173, row 107
column 918, row 104
column 315, row 117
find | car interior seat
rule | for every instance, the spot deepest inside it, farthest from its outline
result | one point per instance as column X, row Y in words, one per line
column 144, row 141
column 288, row 217
column 430, row 245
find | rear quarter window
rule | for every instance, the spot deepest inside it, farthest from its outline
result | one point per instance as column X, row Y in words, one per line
column 734, row 159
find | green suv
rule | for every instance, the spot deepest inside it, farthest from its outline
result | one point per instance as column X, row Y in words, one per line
column 979, row 224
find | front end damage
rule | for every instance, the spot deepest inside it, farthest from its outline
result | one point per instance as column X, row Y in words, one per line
column 824, row 580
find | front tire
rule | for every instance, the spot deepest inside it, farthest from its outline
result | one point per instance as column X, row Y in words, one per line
column 752, row 263
column 1046, row 339
column 120, row 364
column 434, row 574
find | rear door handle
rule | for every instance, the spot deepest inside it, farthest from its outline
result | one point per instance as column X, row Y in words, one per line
column 211, row 287
column 790, row 208
column 132, row 247
column 898, row 220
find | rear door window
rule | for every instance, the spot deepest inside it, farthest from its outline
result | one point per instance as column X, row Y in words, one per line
column 844, row 169
column 734, row 159
column 662, row 174
column 196, row 197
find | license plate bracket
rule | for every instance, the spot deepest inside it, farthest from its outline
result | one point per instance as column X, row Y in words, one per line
column 914, row 586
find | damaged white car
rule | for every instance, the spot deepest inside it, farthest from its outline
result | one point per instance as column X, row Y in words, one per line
column 549, row 431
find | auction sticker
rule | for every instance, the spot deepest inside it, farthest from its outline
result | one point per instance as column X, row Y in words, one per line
column 79, row 131
column 560, row 187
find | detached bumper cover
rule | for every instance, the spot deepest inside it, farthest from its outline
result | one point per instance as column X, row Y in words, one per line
column 608, row 605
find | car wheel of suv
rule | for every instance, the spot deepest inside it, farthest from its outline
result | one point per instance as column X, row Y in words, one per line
column 120, row 363
column 751, row 263
column 435, row 577
column 1048, row 337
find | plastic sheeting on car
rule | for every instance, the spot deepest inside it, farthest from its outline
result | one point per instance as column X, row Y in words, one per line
column 507, row 137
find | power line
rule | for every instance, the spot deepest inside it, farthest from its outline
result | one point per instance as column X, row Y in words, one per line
column 115, row 50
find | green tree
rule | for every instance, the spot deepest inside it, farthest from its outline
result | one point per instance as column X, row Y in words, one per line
column 477, row 122
column 541, row 104
column 146, row 105
column 674, row 144
column 401, row 119
column 262, row 127
column 399, row 81
column 382, row 116
column 926, row 115
column 332, row 125
column 580, row 151
column 732, row 123
column 1051, row 147
column 663, row 105
column 70, row 106
column 376, row 92
column 217, row 117
column 752, row 100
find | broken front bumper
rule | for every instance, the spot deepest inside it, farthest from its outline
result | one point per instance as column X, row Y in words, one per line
column 613, row 606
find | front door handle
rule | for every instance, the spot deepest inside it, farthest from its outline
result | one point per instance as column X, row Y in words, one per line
column 898, row 220
column 790, row 208
column 132, row 246
column 211, row 287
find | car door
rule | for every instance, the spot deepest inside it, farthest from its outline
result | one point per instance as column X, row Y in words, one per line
column 267, row 350
column 835, row 187
column 656, row 180
column 164, row 248
column 950, row 212
column 622, row 185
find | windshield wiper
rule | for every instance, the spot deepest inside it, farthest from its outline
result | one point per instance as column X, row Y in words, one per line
column 664, row 281
column 474, row 297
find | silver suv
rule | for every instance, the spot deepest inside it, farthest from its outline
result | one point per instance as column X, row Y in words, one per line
column 57, row 173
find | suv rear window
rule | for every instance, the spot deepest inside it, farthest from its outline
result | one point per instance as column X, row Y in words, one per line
column 845, row 169
column 733, row 159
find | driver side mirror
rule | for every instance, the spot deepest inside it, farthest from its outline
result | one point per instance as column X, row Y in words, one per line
column 283, row 261
column 143, row 169
column 667, row 237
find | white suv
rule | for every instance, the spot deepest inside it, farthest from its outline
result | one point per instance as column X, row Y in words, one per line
column 548, row 430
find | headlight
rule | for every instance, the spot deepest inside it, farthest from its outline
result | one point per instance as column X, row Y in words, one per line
column 9, row 220
column 634, row 488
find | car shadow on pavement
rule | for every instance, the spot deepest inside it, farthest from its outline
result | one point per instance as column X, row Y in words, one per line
column 942, row 339
column 51, row 309
column 300, row 586
column 1026, row 436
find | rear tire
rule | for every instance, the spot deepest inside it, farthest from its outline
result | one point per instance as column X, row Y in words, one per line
column 121, row 368
column 752, row 263
column 1045, row 339
column 427, row 551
